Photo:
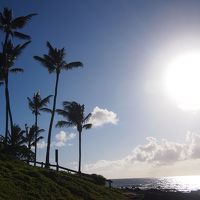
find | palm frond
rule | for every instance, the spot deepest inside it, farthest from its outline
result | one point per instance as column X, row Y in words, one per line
column 24, row 45
column 46, row 100
column 45, row 63
column 47, row 110
column 64, row 113
column 50, row 59
column 14, row 51
column 21, row 35
column 6, row 15
column 62, row 123
column 20, row 22
column 19, row 48
column 16, row 70
column 72, row 65
column 37, row 140
column 87, row 126
column 66, row 103
column 31, row 104
column 39, row 131
column 50, row 47
column 86, row 119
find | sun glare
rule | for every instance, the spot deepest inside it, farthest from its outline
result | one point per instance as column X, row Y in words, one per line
column 182, row 81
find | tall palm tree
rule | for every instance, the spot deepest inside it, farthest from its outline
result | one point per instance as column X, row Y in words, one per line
column 54, row 62
column 7, row 61
column 10, row 26
column 32, row 137
column 37, row 104
column 75, row 116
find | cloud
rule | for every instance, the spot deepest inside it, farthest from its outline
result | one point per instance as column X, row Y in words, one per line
column 102, row 116
column 42, row 144
column 60, row 140
column 161, row 153
column 194, row 145
column 155, row 158
column 62, row 137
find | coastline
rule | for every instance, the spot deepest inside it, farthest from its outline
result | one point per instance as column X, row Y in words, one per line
column 155, row 194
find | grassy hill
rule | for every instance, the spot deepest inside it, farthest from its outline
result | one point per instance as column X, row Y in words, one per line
column 23, row 182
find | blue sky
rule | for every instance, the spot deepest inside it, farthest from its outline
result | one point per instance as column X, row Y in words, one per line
column 125, row 46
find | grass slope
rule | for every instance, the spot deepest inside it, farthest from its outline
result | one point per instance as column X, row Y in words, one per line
column 23, row 182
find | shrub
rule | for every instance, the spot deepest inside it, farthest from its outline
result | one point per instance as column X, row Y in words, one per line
column 98, row 179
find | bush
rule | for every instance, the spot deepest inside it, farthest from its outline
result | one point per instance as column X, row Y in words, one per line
column 98, row 179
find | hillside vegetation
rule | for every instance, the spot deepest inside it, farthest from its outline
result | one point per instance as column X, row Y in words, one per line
column 20, row 181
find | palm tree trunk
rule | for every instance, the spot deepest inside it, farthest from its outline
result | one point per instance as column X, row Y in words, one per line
column 29, row 156
column 51, row 121
column 79, row 163
column 29, row 144
column 6, row 128
column 8, row 109
column 6, row 86
column 10, row 114
column 5, row 42
column 36, row 119
column 8, row 102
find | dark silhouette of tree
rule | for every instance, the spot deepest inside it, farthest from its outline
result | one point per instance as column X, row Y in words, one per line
column 75, row 116
column 10, row 26
column 37, row 104
column 17, row 143
column 33, row 137
column 17, row 138
column 7, row 61
column 54, row 62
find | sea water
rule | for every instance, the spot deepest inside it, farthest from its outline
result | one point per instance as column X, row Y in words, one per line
column 175, row 183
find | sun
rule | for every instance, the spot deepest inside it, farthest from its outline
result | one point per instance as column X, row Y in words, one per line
column 182, row 80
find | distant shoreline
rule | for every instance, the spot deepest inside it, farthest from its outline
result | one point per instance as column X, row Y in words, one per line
column 156, row 194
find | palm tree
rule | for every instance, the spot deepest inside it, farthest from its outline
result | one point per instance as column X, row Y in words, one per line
column 10, row 27
column 54, row 62
column 37, row 104
column 75, row 116
column 33, row 137
column 17, row 138
column 7, row 61
column 16, row 143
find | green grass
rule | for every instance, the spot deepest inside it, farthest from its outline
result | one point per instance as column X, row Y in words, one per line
column 23, row 182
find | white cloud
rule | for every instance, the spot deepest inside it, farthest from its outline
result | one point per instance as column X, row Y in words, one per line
column 155, row 158
column 102, row 116
column 60, row 140
column 42, row 144
column 194, row 147
column 62, row 137
column 161, row 153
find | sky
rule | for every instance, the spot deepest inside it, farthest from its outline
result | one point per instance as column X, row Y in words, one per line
column 126, row 46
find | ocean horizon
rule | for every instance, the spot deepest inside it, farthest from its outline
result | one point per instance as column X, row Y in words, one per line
column 173, row 183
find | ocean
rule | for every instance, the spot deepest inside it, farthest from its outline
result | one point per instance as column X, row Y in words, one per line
column 175, row 183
